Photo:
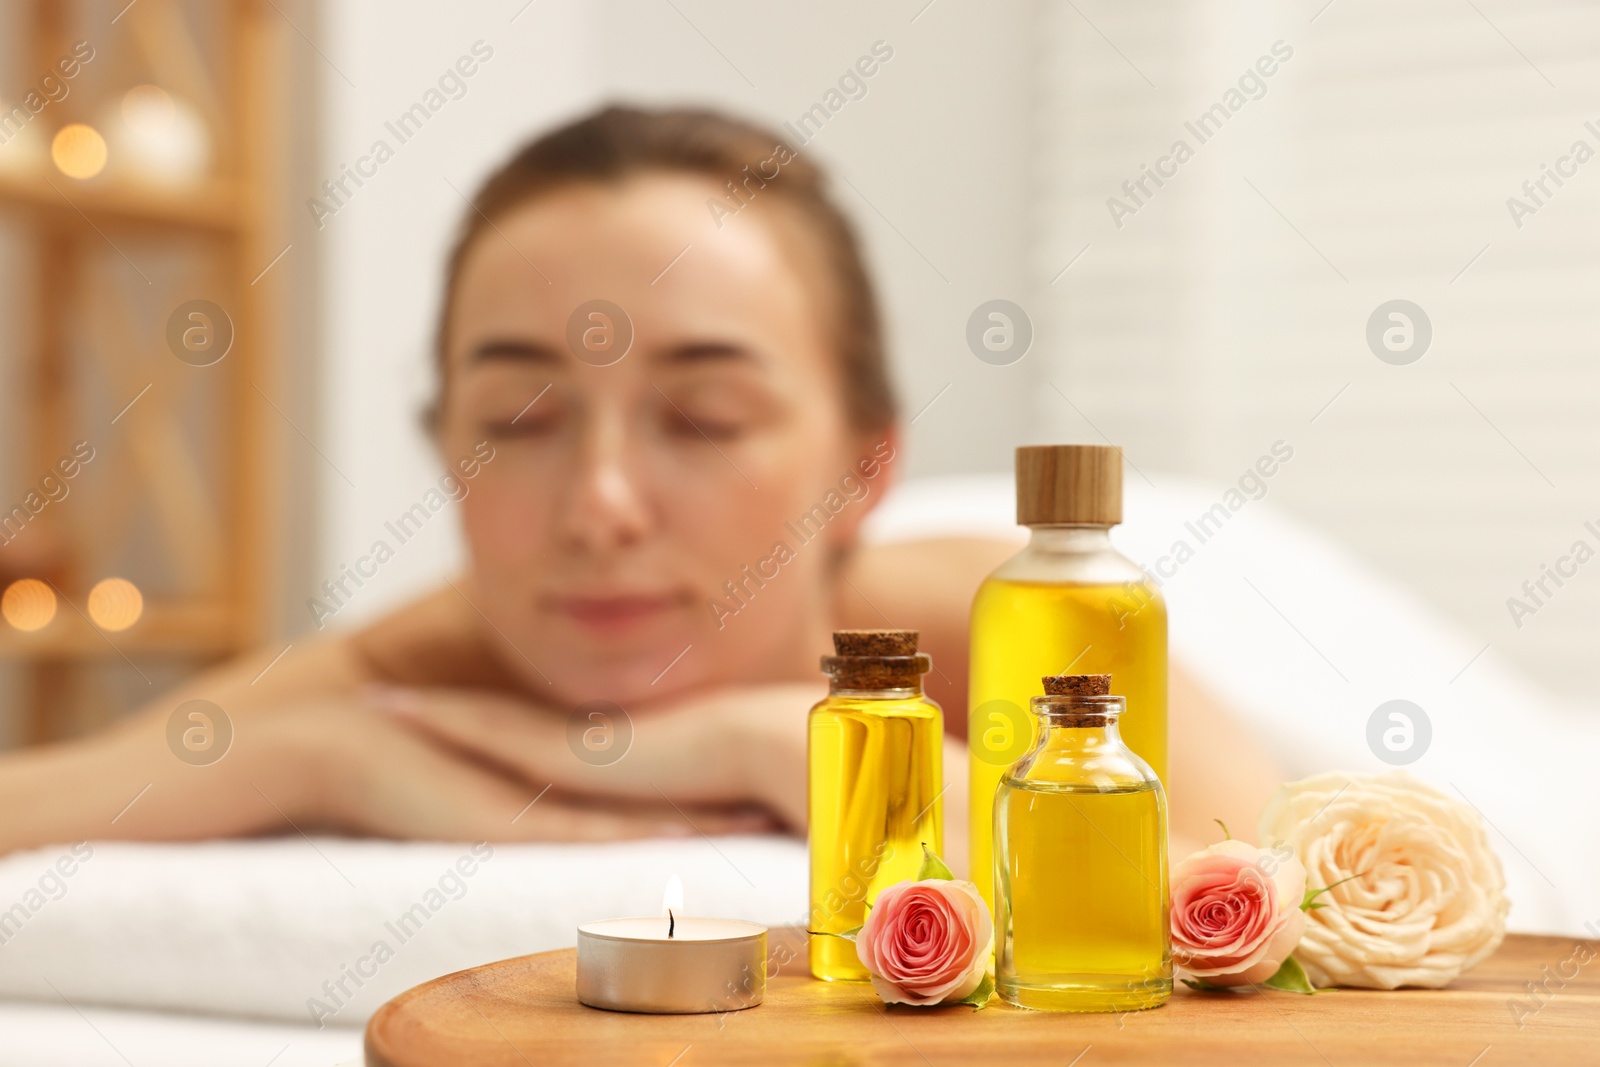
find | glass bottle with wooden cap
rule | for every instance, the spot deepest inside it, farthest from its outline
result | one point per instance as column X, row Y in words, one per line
column 1068, row 601
column 1080, row 875
column 874, row 777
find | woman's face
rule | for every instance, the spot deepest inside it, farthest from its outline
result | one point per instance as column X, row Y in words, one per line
column 624, row 494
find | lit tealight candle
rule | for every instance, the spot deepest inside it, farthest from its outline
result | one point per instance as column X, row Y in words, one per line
column 674, row 964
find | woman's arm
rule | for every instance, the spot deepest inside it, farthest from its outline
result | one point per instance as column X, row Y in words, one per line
column 309, row 752
column 126, row 782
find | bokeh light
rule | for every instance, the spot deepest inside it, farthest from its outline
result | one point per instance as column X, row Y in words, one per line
column 145, row 103
column 28, row 604
column 158, row 138
column 79, row 151
column 115, row 604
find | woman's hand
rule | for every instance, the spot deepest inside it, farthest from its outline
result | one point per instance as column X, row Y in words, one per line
column 730, row 747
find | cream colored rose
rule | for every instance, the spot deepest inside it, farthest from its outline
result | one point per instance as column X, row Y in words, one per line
column 1426, row 896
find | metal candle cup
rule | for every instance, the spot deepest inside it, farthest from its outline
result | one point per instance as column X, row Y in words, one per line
column 706, row 965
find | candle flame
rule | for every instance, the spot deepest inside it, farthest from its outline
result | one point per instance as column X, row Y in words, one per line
column 672, row 899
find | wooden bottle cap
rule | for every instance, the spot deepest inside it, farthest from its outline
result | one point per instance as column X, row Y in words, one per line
column 875, row 642
column 1077, row 685
column 1069, row 484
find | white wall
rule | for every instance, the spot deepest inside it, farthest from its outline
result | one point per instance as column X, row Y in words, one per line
column 1232, row 307
column 938, row 146
column 383, row 252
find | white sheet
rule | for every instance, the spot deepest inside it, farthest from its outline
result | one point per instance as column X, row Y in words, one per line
column 39, row 1035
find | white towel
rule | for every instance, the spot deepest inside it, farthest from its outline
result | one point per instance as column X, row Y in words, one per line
column 291, row 928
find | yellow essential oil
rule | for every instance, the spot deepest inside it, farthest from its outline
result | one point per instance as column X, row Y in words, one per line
column 1080, row 828
column 1068, row 601
column 875, row 774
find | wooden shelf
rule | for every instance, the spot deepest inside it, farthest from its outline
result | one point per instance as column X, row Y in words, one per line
column 211, row 206
column 163, row 630
column 200, row 491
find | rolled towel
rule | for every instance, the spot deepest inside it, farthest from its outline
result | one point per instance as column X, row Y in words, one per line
column 323, row 931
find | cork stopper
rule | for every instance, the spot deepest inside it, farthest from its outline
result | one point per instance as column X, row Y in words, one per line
column 1078, row 685
column 1069, row 485
column 876, row 660
column 1078, row 700
column 875, row 642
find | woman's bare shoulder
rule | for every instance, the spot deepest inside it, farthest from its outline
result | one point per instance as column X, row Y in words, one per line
column 935, row 574
column 434, row 641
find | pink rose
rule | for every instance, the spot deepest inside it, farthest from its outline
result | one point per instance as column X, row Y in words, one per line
column 1236, row 912
column 927, row 942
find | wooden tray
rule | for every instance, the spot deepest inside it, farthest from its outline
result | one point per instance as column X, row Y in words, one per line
column 524, row 1011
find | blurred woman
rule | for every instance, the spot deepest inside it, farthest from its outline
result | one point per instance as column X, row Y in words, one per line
column 659, row 353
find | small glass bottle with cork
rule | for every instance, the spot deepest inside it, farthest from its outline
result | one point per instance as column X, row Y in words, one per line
column 874, row 779
column 1080, row 874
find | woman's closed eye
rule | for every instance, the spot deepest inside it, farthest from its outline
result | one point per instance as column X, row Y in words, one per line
column 720, row 412
column 538, row 419
column 682, row 422
column 513, row 407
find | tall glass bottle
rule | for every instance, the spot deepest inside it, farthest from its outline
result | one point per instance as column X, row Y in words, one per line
column 1067, row 601
column 875, row 764
column 1080, row 827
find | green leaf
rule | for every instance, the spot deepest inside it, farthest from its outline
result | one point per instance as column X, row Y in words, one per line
column 848, row 935
column 1224, row 826
column 980, row 996
column 933, row 866
column 1291, row 978
column 1200, row 985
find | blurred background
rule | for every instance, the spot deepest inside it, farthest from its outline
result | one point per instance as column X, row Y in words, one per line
column 1201, row 214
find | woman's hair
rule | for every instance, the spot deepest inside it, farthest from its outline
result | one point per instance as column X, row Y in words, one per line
column 754, row 164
